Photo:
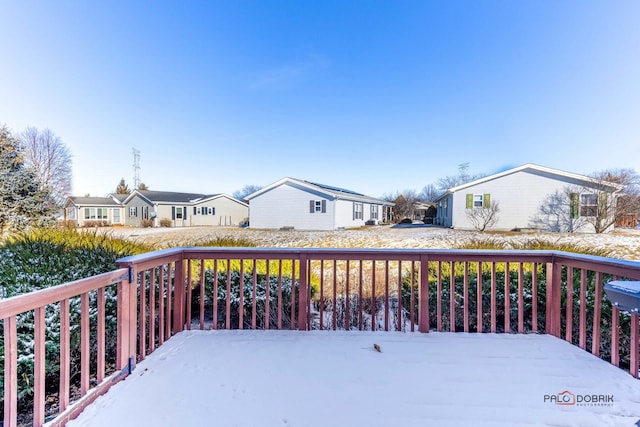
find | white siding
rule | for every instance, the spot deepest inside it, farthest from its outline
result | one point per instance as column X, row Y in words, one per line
column 519, row 195
column 165, row 211
column 344, row 214
column 287, row 205
column 227, row 212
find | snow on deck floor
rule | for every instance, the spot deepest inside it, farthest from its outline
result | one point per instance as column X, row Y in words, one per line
column 321, row 378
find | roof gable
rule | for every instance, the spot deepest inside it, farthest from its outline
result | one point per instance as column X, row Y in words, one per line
column 170, row 196
column 92, row 201
column 330, row 191
column 218, row 196
column 563, row 175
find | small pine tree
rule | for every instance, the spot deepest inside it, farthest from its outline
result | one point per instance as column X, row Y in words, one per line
column 22, row 200
column 123, row 188
column 143, row 187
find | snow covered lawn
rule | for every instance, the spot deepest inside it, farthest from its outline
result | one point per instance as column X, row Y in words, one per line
column 623, row 244
column 325, row 378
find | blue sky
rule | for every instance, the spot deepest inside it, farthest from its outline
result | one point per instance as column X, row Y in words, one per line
column 371, row 96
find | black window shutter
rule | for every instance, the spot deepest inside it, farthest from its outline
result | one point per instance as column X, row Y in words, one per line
column 194, row 210
column 213, row 211
column 173, row 212
column 184, row 209
column 324, row 206
column 312, row 206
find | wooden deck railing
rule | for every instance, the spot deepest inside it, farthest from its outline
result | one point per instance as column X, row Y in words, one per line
column 159, row 294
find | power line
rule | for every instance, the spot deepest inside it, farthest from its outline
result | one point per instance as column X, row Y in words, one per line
column 136, row 168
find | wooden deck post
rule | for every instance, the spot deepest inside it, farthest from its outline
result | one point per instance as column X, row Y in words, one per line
column 127, row 322
column 179, row 297
column 553, row 308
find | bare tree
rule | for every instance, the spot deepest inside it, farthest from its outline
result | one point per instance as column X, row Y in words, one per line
column 403, row 204
column 245, row 191
column 48, row 155
column 483, row 217
column 429, row 193
column 613, row 195
column 462, row 177
column 557, row 214
column 610, row 197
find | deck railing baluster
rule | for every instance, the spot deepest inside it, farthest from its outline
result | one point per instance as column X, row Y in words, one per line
column 465, row 297
column 452, row 297
column 569, row 309
column 39, row 367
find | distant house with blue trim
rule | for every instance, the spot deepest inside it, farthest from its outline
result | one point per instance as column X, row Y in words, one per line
column 304, row 205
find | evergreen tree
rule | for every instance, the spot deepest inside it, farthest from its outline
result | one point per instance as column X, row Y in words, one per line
column 143, row 187
column 22, row 200
column 123, row 188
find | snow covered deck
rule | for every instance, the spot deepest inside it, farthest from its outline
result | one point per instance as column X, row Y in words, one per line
column 333, row 378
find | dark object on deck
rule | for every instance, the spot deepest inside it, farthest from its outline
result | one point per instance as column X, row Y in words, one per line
column 625, row 295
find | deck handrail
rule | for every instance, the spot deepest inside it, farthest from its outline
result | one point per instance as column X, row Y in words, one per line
column 163, row 292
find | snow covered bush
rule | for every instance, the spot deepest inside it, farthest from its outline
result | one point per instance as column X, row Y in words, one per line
column 235, row 278
column 48, row 257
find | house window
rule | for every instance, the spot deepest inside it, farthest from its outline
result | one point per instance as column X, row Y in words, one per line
column 588, row 205
column 116, row 216
column 475, row 201
column 89, row 213
column 133, row 211
column 317, row 206
column 101, row 213
column 374, row 211
column 357, row 210
column 212, row 211
column 71, row 213
column 179, row 213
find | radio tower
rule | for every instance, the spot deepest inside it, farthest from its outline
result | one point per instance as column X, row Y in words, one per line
column 136, row 168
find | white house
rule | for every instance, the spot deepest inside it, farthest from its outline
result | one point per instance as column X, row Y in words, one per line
column 181, row 209
column 528, row 196
column 303, row 205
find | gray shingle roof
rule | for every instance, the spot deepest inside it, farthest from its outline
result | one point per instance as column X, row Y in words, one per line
column 172, row 197
column 93, row 201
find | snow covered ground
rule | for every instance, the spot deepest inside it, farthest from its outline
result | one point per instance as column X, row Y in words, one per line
column 306, row 379
column 624, row 244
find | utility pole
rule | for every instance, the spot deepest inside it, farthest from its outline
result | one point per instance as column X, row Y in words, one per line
column 136, row 168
